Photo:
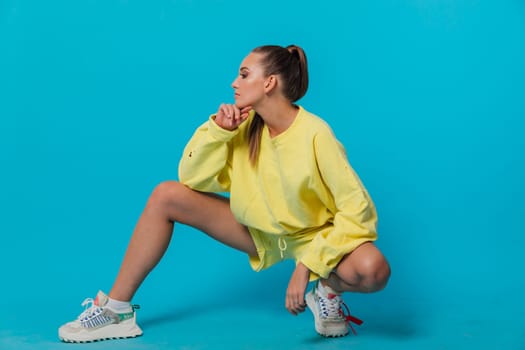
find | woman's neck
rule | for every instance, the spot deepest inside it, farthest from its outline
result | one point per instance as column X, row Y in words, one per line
column 278, row 116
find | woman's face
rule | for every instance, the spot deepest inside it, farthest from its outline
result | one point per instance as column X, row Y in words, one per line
column 249, row 84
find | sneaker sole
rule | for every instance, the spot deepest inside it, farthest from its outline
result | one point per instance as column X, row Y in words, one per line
column 312, row 305
column 123, row 330
column 97, row 340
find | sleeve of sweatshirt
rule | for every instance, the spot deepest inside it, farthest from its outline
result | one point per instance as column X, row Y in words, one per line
column 205, row 164
column 355, row 218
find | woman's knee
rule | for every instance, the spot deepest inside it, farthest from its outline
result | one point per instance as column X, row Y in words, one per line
column 377, row 274
column 369, row 268
column 166, row 194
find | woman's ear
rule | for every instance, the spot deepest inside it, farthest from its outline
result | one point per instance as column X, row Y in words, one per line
column 270, row 83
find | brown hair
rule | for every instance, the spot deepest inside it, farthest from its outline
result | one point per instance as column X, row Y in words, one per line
column 291, row 65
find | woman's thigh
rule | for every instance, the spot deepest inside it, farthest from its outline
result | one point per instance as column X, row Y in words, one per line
column 207, row 212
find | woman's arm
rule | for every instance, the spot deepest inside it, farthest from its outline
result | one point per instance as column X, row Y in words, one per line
column 296, row 289
column 355, row 217
column 206, row 162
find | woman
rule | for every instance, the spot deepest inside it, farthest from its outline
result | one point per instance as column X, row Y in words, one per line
column 293, row 195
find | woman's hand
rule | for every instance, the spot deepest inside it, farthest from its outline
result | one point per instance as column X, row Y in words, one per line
column 229, row 116
column 296, row 289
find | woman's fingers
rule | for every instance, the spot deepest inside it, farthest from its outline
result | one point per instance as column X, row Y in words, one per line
column 229, row 116
column 245, row 111
column 300, row 308
column 223, row 112
column 295, row 303
column 227, row 111
column 236, row 117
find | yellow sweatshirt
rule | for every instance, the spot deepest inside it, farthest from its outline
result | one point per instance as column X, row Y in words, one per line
column 302, row 183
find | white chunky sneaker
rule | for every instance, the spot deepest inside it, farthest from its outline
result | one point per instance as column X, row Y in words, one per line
column 330, row 320
column 99, row 322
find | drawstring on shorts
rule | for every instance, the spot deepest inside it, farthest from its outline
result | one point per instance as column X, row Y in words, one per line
column 282, row 246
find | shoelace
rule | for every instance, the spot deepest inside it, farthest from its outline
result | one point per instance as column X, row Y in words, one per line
column 331, row 306
column 91, row 309
column 349, row 319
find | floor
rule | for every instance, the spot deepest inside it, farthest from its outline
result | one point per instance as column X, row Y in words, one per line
column 251, row 317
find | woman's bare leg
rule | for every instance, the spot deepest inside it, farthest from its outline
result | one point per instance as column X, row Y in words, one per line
column 365, row 270
column 173, row 202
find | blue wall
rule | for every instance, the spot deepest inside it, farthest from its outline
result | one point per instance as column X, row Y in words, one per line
column 97, row 99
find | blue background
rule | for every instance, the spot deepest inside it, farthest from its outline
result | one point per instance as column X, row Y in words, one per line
column 98, row 98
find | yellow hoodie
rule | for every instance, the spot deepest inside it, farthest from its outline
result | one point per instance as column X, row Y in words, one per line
column 302, row 184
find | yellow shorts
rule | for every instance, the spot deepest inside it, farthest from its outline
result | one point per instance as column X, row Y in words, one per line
column 272, row 249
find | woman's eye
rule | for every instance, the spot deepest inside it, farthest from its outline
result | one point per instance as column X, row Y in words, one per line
column 243, row 75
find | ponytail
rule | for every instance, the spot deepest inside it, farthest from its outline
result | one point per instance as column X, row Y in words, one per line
column 298, row 82
column 254, row 137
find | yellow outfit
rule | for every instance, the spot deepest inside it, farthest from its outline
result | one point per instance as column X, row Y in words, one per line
column 302, row 200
